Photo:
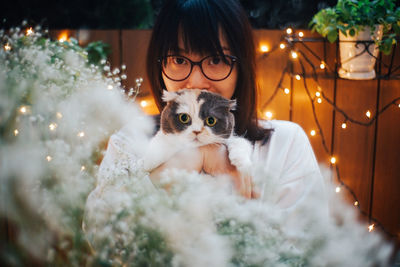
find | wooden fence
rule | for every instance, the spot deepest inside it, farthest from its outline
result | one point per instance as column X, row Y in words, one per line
column 367, row 157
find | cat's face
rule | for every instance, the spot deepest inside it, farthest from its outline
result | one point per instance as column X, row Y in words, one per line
column 197, row 116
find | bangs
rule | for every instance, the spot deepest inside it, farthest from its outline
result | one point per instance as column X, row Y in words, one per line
column 203, row 40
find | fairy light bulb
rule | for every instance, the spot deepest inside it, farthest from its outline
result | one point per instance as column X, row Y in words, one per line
column 268, row 114
column 298, row 77
column 264, row 48
column 337, row 190
column 294, row 55
column 319, row 100
column 286, row 90
column 63, row 37
column 333, row 160
column 344, row 125
column 144, row 103
column 313, row 132
column 16, row 132
column 7, row 47
column 83, row 168
column 29, row 31
column 317, row 94
column 368, row 114
column 59, row 115
column 109, row 87
column 301, row 34
column 289, row 31
column 23, row 109
column 322, row 65
column 356, row 203
column 371, row 227
column 282, row 46
column 399, row 105
column 81, row 134
column 48, row 158
column 52, row 126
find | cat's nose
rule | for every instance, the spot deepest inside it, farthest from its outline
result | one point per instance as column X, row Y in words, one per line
column 196, row 132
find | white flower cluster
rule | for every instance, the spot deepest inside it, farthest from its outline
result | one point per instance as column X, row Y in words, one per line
column 56, row 114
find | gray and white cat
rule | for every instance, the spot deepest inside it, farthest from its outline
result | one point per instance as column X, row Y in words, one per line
column 193, row 118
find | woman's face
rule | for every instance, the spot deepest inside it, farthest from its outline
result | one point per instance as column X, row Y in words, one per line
column 197, row 80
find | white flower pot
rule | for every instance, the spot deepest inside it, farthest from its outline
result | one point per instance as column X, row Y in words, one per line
column 358, row 67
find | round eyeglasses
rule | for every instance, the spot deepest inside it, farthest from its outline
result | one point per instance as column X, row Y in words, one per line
column 214, row 68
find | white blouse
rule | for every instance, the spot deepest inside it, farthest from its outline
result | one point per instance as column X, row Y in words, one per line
column 287, row 157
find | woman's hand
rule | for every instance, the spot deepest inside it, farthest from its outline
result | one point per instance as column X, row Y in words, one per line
column 216, row 162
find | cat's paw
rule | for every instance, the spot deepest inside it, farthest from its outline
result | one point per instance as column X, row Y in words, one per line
column 240, row 150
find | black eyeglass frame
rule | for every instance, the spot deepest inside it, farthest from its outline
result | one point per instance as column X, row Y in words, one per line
column 198, row 63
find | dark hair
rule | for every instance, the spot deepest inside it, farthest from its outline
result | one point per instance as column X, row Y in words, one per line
column 198, row 22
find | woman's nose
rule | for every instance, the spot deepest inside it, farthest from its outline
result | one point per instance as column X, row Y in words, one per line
column 197, row 80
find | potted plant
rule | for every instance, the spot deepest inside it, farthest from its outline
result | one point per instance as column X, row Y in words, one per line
column 364, row 27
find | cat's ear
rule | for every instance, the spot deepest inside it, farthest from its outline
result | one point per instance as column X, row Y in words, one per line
column 168, row 96
column 232, row 104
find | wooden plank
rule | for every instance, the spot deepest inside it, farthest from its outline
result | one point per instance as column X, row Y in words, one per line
column 269, row 70
column 353, row 146
column 134, row 51
column 386, row 197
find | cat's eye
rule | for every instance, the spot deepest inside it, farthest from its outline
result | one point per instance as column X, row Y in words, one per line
column 211, row 121
column 184, row 118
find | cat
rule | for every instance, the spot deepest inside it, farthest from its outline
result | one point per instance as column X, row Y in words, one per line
column 194, row 118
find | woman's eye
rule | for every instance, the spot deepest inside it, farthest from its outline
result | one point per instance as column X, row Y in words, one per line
column 178, row 60
column 215, row 60
column 211, row 121
column 184, row 118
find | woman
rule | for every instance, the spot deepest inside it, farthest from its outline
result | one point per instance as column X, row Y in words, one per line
column 193, row 30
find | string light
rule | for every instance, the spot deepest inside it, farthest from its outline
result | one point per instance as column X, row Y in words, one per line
column 298, row 77
column 143, row 103
column 301, row 34
column 371, row 227
column 317, row 94
column 48, row 158
column 268, row 114
column 289, row 31
column 333, row 160
column 337, row 189
column 356, row 203
column 16, row 132
column 29, row 31
column 368, row 114
column 286, row 90
column 344, row 125
column 282, row 46
column 7, row 47
column 52, row 126
column 109, row 87
column 399, row 105
column 319, row 100
column 313, row 132
column 264, row 48
column 83, row 168
column 294, row 55
column 322, row 65
column 81, row 134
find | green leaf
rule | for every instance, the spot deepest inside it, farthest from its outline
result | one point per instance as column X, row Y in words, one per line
column 332, row 36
